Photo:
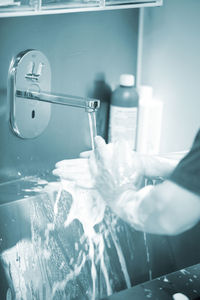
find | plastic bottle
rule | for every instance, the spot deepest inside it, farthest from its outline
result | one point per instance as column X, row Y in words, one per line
column 124, row 111
column 102, row 91
column 150, row 122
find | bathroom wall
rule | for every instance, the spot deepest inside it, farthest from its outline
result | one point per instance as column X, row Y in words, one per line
column 78, row 46
column 171, row 64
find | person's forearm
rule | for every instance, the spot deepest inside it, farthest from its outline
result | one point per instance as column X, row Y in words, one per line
column 142, row 210
column 162, row 209
column 161, row 165
column 137, row 207
column 178, row 155
column 157, row 166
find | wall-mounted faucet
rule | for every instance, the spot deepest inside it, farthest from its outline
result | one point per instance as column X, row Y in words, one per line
column 29, row 92
column 87, row 103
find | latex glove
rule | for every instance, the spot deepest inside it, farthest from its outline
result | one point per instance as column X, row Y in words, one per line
column 75, row 170
column 86, row 154
column 115, row 168
column 87, row 205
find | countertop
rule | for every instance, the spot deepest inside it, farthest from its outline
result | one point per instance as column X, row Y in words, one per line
column 185, row 281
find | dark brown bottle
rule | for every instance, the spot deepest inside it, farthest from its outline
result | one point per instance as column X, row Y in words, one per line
column 101, row 91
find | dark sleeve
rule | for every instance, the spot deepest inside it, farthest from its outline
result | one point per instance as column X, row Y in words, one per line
column 187, row 173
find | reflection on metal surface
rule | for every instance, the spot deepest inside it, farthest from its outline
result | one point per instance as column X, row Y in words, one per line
column 25, row 72
column 50, row 251
column 29, row 93
column 64, row 6
column 67, row 100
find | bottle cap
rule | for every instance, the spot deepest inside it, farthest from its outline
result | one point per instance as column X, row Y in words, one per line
column 127, row 80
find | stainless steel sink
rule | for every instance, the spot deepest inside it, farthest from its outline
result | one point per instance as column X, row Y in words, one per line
column 40, row 258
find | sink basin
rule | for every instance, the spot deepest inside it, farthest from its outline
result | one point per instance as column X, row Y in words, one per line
column 182, row 283
column 46, row 252
column 42, row 257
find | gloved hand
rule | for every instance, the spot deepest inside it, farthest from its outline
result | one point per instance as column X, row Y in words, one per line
column 75, row 171
column 116, row 169
column 112, row 169
column 76, row 179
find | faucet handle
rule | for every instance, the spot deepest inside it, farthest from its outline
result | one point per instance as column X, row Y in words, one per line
column 39, row 69
column 31, row 75
column 30, row 68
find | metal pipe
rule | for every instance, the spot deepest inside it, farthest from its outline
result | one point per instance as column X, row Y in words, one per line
column 68, row 100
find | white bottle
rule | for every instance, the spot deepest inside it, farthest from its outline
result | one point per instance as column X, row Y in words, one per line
column 149, row 123
column 124, row 112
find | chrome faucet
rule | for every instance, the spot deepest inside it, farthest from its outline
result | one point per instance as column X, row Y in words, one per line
column 87, row 103
column 30, row 96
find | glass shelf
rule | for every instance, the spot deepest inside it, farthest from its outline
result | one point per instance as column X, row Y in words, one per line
column 9, row 8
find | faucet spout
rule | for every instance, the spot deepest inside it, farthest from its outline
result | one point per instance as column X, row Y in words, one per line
column 87, row 103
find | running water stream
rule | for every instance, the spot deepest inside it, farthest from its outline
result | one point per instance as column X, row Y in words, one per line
column 93, row 128
column 76, row 249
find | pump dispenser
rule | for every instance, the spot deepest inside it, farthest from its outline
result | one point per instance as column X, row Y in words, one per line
column 124, row 112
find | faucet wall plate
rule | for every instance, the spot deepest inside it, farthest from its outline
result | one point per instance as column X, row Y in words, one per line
column 30, row 70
